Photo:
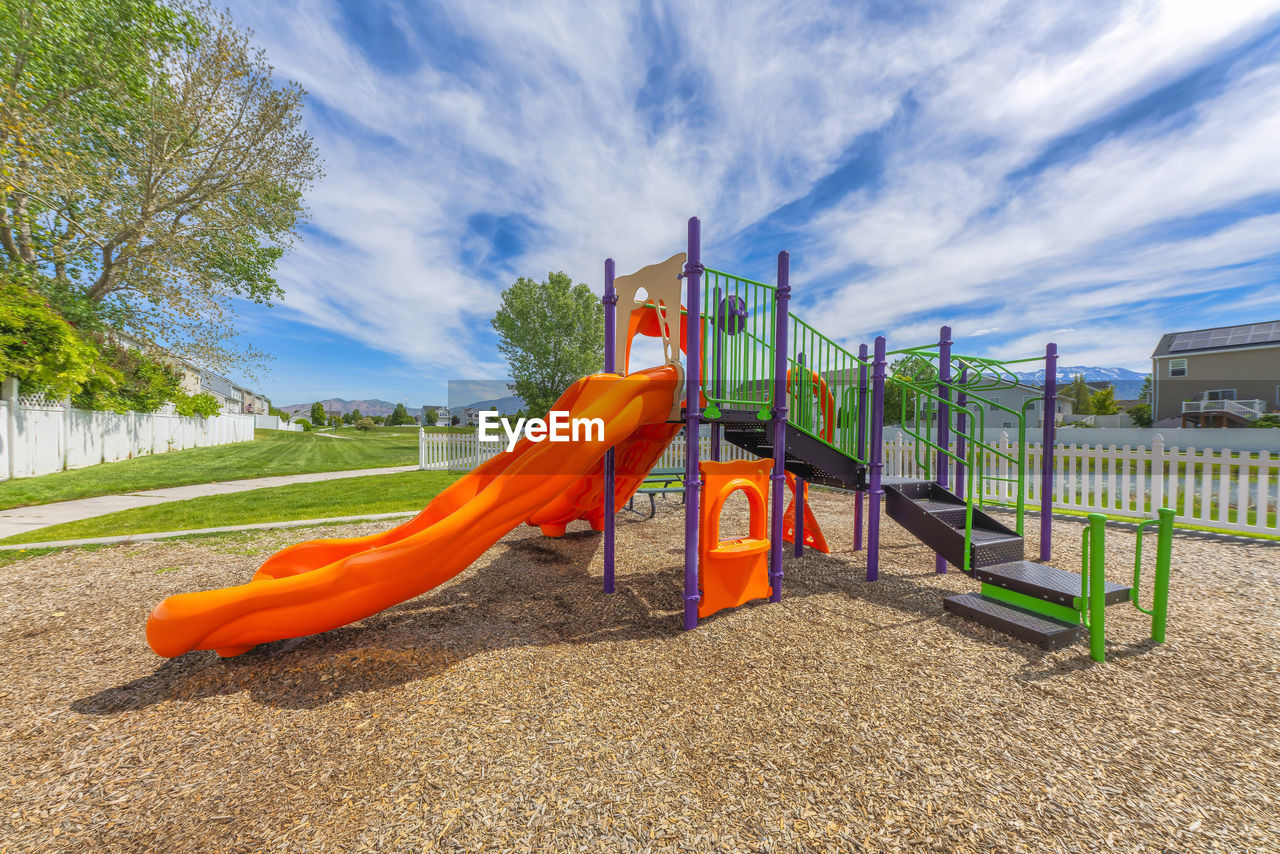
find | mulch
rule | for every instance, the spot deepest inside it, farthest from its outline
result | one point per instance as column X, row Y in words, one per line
column 517, row 708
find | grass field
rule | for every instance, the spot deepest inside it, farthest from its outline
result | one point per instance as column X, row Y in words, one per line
column 387, row 493
column 272, row 452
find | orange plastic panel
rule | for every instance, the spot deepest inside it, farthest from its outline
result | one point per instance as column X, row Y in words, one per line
column 732, row 572
column 826, row 402
column 812, row 532
column 645, row 321
column 322, row 584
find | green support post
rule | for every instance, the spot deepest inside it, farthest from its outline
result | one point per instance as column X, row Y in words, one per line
column 1164, row 556
column 1097, row 586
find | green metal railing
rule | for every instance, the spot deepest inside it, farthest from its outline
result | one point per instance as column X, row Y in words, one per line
column 1092, row 603
column 811, row 354
column 738, row 323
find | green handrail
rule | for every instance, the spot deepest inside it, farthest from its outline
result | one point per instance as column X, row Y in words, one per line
column 1093, row 585
column 1159, row 612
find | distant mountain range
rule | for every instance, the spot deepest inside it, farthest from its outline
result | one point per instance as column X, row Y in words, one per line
column 1127, row 383
column 506, row 405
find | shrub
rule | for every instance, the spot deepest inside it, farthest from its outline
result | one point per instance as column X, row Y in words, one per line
column 37, row 346
column 1140, row 415
column 203, row 404
column 1269, row 420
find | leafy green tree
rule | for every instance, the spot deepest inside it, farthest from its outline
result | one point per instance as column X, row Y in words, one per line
column 126, row 379
column 1103, row 401
column 38, row 346
column 379, row 420
column 429, row 416
column 317, row 413
column 916, row 370
column 198, row 404
column 364, row 425
column 1140, row 415
column 150, row 161
column 399, row 416
column 349, row 417
column 551, row 333
column 1080, row 396
column 280, row 413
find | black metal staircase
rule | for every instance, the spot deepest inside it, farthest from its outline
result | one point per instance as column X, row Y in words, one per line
column 807, row 458
column 1033, row 602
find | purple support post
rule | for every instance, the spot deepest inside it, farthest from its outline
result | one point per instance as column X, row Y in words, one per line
column 1046, row 457
column 860, row 436
column 876, row 460
column 715, row 330
column 944, row 420
column 799, row 482
column 779, row 476
column 692, row 419
column 962, row 424
column 610, row 301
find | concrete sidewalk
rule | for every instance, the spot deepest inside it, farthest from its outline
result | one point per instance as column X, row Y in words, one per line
column 22, row 519
column 168, row 535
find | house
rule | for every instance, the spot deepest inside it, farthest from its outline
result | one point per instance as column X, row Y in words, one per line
column 232, row 398
column 444, row 415
column 1227, row 376
column 471, row 416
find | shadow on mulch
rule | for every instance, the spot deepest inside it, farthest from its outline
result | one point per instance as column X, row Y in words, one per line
column 535, row 592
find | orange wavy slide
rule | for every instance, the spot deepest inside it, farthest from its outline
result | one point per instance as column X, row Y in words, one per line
column 319, row 585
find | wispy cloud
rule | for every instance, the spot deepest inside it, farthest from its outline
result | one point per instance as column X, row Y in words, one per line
column 1019, row 169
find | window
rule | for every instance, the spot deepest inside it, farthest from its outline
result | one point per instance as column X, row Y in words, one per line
column 1220, row 394
column 1177, row 367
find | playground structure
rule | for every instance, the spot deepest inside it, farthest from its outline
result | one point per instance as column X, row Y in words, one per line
column 808, row 409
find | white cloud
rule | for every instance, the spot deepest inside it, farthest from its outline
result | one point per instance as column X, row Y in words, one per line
column 545, row 125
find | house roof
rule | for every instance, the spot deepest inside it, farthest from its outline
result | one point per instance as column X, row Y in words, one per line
column 1239, row 337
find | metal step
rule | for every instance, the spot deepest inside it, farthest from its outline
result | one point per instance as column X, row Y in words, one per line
column 936, row 517
column 1045, row 632
column 1043, row 582
column 807, row 457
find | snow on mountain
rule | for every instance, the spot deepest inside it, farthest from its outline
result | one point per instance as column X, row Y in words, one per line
column 1127, row 383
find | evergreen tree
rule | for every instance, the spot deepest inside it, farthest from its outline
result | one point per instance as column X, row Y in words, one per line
column 1080, row 396
column 399, row 416
column 317, row 414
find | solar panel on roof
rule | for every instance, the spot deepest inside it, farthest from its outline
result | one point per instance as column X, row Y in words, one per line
column 1226, row 336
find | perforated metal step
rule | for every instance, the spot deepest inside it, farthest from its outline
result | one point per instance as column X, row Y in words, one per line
column 1042, row 631
column 1043, row 582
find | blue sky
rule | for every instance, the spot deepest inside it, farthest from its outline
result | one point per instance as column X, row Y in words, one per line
column 1090, row 173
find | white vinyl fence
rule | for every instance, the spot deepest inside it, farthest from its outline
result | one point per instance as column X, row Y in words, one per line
column 273, row 422
column 1215, row 488
column 42, row 436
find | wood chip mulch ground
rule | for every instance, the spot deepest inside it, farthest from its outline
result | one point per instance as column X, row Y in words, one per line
column 517, row 708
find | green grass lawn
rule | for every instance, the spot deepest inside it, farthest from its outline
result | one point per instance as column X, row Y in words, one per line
column 387, row 493
column 272, row 452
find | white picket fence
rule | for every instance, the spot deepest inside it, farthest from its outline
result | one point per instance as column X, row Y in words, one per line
column 42, row 436
column 1215, row 488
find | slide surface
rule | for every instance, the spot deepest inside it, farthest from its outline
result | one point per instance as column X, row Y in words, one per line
column 323, row 584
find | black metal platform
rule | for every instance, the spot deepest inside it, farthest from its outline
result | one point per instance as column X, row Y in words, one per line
column 1022, row 624
column 808, row 458
column 1041, row 581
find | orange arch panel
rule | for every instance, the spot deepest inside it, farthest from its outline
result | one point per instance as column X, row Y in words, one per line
column 731, row 572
